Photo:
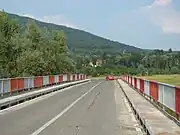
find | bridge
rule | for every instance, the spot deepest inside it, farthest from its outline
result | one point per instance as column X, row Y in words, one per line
column 73, row 104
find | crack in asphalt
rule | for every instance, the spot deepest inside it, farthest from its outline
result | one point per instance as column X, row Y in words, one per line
column 93, row 102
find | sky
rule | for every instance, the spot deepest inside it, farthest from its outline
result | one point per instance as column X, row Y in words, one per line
column 148, row 24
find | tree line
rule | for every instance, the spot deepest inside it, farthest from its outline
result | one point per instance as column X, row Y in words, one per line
column 145, row 63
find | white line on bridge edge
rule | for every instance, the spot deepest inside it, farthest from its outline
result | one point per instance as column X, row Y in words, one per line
column 38, row 131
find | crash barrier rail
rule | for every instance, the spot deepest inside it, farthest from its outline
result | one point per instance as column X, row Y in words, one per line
column 14, row 100
column 12, row 85
column 165, row 96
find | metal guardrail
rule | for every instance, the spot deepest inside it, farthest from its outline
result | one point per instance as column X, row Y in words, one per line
column 164, row 96
column 13, row 100
column 9, row 86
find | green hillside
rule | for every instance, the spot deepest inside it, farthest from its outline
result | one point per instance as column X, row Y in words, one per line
column 31, row 48
column 82, row 42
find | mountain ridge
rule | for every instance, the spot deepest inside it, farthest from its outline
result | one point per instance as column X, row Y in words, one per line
column 81, row 41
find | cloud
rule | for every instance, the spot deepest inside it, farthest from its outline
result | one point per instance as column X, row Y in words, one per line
column 162, row 13
column 161, row 3
column 30, row 16
column 56, row 19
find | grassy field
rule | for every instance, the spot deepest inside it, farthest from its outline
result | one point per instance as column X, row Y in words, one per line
column 169, row 79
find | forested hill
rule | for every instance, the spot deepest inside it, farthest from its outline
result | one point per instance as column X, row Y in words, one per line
column 35, row 48
column 82, row 42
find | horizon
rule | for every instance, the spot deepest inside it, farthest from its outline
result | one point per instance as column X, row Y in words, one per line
column 139, row 27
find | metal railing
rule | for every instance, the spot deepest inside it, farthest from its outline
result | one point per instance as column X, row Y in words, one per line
column 13, row 85
column 165, row 96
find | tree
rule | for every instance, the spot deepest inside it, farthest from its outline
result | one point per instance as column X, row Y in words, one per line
column 9, row 45
column 59, row 39
column 34, row 35
column 141, row 69
column 174, row 70
column 31, row 63
column 170, row 50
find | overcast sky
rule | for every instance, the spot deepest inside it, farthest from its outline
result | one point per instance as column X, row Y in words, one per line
column 142, row 23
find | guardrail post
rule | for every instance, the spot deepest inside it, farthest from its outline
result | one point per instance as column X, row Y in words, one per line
column 2, row 87
column 178, row 116
column 163, row 99
column 177, row 102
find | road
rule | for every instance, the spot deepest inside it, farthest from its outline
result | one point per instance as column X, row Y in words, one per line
column 94, row 108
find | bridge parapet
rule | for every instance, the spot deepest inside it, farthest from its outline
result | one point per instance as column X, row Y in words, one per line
column 165, row 96
column 151, row 118
column 8, row 86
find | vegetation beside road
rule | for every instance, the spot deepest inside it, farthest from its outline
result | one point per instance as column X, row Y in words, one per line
column 169, row 79
column 32, row 52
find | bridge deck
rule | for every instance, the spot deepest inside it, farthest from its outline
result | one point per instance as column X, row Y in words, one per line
column 154, row 120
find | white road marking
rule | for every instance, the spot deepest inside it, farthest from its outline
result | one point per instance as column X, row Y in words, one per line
column 32, row 101
column 127, row 104
column 120, row 97
column 138, row 129
column 38, row 131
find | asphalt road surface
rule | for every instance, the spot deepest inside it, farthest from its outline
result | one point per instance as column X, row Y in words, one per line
column 94, row 108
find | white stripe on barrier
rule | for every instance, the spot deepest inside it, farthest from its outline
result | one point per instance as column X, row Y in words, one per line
column 138, row 83
column 26, row 83
column 161, row 93
column 71, row 77
column 45, row 80
column 1, row 84
column 146, row 87
column 64, row 77
column 169, row 97
column 56, row 78
column 133, row 81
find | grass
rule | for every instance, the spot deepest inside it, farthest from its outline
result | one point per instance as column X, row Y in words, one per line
column 169, row 79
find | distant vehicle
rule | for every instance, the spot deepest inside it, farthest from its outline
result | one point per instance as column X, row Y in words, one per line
column 109, row 77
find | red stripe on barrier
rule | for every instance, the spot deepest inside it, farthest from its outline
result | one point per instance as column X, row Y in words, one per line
column 178, row 99
column 21, row 83
column 38, row 81
column 14, row 85
column 131, row 80
column 68, row 77
column 142, row 85
column 135, row 82
column 60, row 78
column 51, row 79
column 154, row 90
column 77, row 76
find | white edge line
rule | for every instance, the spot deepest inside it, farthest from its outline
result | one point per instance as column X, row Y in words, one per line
column 63, row 112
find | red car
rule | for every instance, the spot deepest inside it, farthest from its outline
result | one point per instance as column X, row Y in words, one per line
column 109, row 77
